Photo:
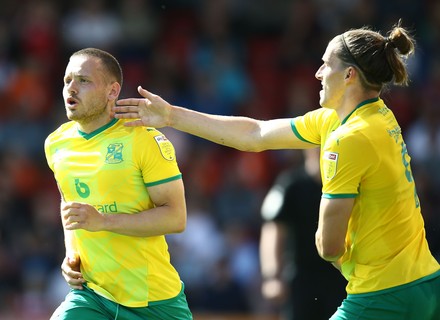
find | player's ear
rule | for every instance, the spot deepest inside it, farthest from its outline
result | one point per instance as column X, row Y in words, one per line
column 349, row 72
column 115, row 89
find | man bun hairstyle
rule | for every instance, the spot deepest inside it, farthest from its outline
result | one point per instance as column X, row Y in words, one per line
column 400, row 40
column 380, row 59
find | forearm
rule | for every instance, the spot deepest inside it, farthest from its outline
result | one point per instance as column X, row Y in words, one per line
column 70, row 243
column 232, row 131
column 153, row 222
column 242, row 133
column 334, row 215
column 329, row 254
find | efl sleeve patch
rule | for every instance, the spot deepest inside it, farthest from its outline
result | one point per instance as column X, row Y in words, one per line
column 330, row 164
column 165, row 146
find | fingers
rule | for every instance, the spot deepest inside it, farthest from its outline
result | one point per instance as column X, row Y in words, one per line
column 121, row 114
column 129, row 102
column 129, row 108
column 134, row 102
column 70, row 271
column 74, row 220
column 71, row 205
column 126, row 109
column 72, row 277
column 72, row 216
column 74, row 283
column 73, row 262
column 73, row 225
column 70, row 209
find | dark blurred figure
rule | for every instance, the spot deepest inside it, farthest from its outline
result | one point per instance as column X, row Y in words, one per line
column 294, row 277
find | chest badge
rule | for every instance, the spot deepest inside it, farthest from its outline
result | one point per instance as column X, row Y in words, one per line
column 114, row 153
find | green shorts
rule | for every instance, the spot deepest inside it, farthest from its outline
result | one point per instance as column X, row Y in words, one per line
column 86, row 304
column 418, row 300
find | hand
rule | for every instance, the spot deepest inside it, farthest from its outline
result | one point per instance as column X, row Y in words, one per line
column 75, row 215
column 274, row 290
column 70, row 269
column 152, row 111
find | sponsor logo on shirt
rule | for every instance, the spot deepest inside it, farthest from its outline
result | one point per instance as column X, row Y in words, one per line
column 330, row 164
column 107, row 207
column 165, row 147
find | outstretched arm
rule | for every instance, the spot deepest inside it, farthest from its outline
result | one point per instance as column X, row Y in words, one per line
column 241, row 133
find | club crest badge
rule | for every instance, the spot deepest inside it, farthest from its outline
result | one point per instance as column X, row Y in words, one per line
column 165, row 147
column 330, row 164
column 114, row 153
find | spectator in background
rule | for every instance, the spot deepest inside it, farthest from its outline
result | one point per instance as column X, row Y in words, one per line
column 91, row 24
column 293, row 275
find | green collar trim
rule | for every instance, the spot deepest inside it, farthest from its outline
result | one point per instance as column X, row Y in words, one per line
column 90, row 135
column 358, row 106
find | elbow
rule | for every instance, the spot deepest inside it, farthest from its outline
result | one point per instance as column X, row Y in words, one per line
column 251, row 141
column 329, row 250
column 180, row 228
column 180, row 225
column 330, row 255
column 250, row 147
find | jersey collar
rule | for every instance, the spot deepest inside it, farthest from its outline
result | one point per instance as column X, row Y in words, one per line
column 358, row 106
column 90, row 135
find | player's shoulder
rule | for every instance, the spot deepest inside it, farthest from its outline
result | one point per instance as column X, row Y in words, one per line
column 120, row 125
column 152, row 131
column 156, row 136
column 322, row 112
column 322, row 115
column 148, row 135
column 63, row 130
column 154, row 141
column 144, row 132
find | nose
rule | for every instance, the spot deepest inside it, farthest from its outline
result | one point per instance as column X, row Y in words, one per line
column 318, row 74
column 70, row 87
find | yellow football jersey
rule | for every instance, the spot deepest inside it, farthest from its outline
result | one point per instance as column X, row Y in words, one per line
column 110, row 169
column 365, row 157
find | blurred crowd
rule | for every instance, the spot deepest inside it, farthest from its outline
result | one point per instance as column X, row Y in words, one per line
column 241, row 57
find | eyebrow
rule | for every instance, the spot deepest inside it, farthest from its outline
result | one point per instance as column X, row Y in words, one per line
column 77, row 75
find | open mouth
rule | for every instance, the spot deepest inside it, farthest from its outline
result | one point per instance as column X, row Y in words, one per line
column 71, row 102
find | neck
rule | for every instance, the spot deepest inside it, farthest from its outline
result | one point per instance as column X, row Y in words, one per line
column 95, row 120
column 93, row 124
column 351, row 101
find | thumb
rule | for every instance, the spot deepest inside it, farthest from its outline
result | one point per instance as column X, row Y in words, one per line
column 72, row 261
column 144, row 93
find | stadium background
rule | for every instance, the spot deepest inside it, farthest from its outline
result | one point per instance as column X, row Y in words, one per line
column 242, row 57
